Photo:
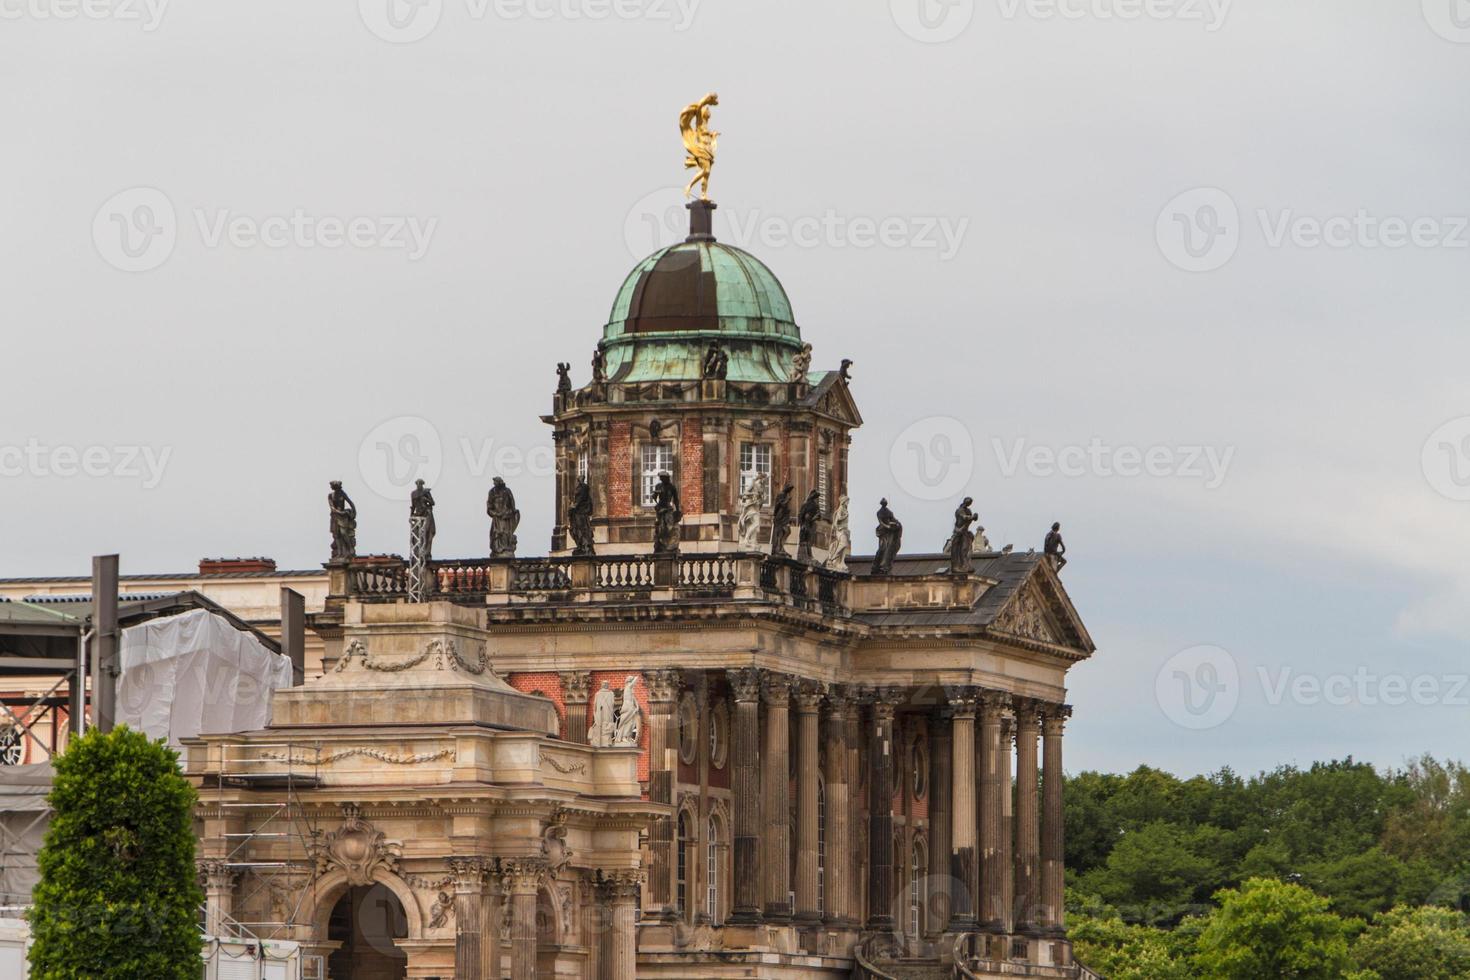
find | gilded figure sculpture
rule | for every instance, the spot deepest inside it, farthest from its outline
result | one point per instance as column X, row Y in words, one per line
column 699, row 143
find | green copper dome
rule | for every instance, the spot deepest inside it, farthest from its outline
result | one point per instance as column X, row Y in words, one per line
column 680, row 298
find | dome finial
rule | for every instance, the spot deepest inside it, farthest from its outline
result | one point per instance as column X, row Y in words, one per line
column 701, row 221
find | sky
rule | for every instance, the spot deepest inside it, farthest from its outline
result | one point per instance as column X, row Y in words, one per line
column 1188, row 276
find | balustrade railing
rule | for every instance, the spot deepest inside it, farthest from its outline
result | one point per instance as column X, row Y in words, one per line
column 707, row 571
column 539, row 576
column 378, row 580
column 479, row 579
column 620, row 572
column 455, row 578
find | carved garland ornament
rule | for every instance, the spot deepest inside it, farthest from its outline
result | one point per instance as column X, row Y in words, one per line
column 327, row 758
column 564, row 767
column 444, row 653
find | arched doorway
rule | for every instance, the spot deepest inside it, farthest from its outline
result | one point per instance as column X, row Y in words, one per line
column 366, row 920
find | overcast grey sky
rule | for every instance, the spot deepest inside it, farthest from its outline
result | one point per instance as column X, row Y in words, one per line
column 1218, row 246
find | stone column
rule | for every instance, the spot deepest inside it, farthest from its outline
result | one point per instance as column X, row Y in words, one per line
column 1007, row 827
column 219, row 896
column 857, row 804
column 992, row 812
column 839, row 844
column 880, row 814
column 476, row 935
column 808, row 704
column 576, row 689
column 521, row 878
column 1053, row 915
column 618, row 957
column 1028, row 841
column 745, row 794
column 663, row 760
column 941, row 763
column 962, row 809
column 775, row 777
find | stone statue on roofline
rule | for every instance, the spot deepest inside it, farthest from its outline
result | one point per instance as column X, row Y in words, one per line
column 421, row 509
column 667, row 515
column 841, row 536
column 806, row 524
column 801, row 365
column 500, row 505
column 1054, row 547
column 890, row 538
column 961, row 544
column 344, row 523
column 781, row 520
column 604, row 716
column 630, row 716
column 599, row 366
column 579, row 517
column 748, row 528
column 563, row 377
column 716, row 363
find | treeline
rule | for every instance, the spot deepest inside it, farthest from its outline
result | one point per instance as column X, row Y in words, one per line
column 1348, row 870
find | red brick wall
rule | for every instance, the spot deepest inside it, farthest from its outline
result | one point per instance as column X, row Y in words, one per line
column 547, row 684
column 691, row 466
column 619, row 470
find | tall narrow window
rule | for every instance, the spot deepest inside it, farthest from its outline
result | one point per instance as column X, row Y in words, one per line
column 658, row 457
column 916, row 890
column 712, row 871
column 821, row 844
column 583, row 465
column 684, row 846
column 823, row 496
column 755, row 460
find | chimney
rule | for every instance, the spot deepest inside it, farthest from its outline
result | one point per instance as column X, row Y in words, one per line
column 235, row 566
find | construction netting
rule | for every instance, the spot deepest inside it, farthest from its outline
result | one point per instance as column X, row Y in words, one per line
column 194, row 674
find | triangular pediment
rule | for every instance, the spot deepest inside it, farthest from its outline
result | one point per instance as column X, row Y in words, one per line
column 833, row 398
column 1040, row 611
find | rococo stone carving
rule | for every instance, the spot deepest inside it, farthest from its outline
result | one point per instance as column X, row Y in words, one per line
column 357, row 847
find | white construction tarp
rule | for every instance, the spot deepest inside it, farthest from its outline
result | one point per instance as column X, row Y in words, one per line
column 194, row 674
column 24, row 817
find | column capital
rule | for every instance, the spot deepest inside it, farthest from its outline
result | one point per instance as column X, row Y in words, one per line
column 1026, row 709
column 1028, row 719
column 776, row 688
column 884, row 700
column 663, row 685
column 217, row 874
column 1054, row 718
column 839, row 700
column 620, row 884
column 576, row 686
column 809, row 695
column 470, row 873
column 745, row 683
column 961, row 701
column 993, row 704
column 522, row 876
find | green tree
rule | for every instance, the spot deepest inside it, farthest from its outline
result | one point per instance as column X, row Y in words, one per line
column 1267, row 930
column 1157, row 872
column 1120, row 950
column 118, row 897
column 1416, row 944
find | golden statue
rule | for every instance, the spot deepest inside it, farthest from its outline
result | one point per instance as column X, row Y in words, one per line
column 699, row 141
